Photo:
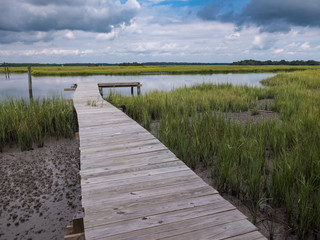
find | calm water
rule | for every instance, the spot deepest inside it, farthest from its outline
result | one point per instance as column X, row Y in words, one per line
column 17, row 85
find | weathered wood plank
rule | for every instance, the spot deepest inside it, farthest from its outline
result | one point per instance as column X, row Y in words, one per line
column 223, row 231
column 103, row 178
column 116, row 198
column 123, row 162
column 137, row 192
column 91, row 140
column 174, row 229
column 97, row 172
column 168, row 197
column 76, row 236
column 156, row 220
column 114, row 215
column 177, row 176
column 122, row 146
column 251, row 235
column 130, row 151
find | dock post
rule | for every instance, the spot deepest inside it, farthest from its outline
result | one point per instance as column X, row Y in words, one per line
column 6, row 71
column 131, row 91
column 138, row 89
column 30, row 82
column 76, row 230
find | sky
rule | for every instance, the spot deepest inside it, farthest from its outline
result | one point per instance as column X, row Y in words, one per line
column 115, row 31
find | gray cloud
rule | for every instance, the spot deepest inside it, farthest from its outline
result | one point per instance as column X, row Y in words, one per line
column 54, row 15
column 210, row 12
column 269, row 15
column 25, row 37
column 56, row 2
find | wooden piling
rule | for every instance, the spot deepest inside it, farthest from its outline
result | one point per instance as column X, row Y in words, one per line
column 6, row 71
column 76, row 230
column 138, row 89
column 30, row 82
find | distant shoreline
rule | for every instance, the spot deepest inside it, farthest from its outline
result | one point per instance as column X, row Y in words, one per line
column 132, row 64
column 160, row 69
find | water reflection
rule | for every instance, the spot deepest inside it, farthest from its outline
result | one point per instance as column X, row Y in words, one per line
column 17, row 85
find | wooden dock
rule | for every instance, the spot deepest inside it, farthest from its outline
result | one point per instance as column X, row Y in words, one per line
column 133, row 187
column 120, row 84
column 132, row 85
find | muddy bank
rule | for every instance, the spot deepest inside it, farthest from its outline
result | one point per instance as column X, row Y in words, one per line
column 39, row 193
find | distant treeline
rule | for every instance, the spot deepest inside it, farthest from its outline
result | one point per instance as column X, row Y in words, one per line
column 131, row 64
column 180, row 63
column 106, row 64
column 170, row 64
column 243, row 62
column 282, row 62
column 56, row 64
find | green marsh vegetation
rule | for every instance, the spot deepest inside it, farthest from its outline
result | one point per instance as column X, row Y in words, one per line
column 25, row 122
column 140, row 70
column 270, row 165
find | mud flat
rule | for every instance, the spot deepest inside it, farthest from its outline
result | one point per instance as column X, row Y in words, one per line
column 39, row 190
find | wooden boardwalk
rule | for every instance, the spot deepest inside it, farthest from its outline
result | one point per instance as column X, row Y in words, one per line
column 133, row 187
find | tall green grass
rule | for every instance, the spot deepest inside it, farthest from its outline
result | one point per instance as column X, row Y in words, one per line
column 274, row 162
column 29, row 122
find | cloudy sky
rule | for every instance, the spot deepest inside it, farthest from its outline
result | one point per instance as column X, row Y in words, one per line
column 113, row 31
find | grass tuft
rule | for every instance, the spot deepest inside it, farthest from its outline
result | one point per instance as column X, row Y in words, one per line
column 27, row 123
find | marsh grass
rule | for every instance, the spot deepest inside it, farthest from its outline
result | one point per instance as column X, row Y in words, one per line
column 92, row 103
column 139, row 70
column 28, row 123
column 274, row 162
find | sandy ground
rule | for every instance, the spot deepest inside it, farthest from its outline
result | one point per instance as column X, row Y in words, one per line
column 39, row 193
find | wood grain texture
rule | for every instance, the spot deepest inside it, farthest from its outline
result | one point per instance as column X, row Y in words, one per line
column 133, row 187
